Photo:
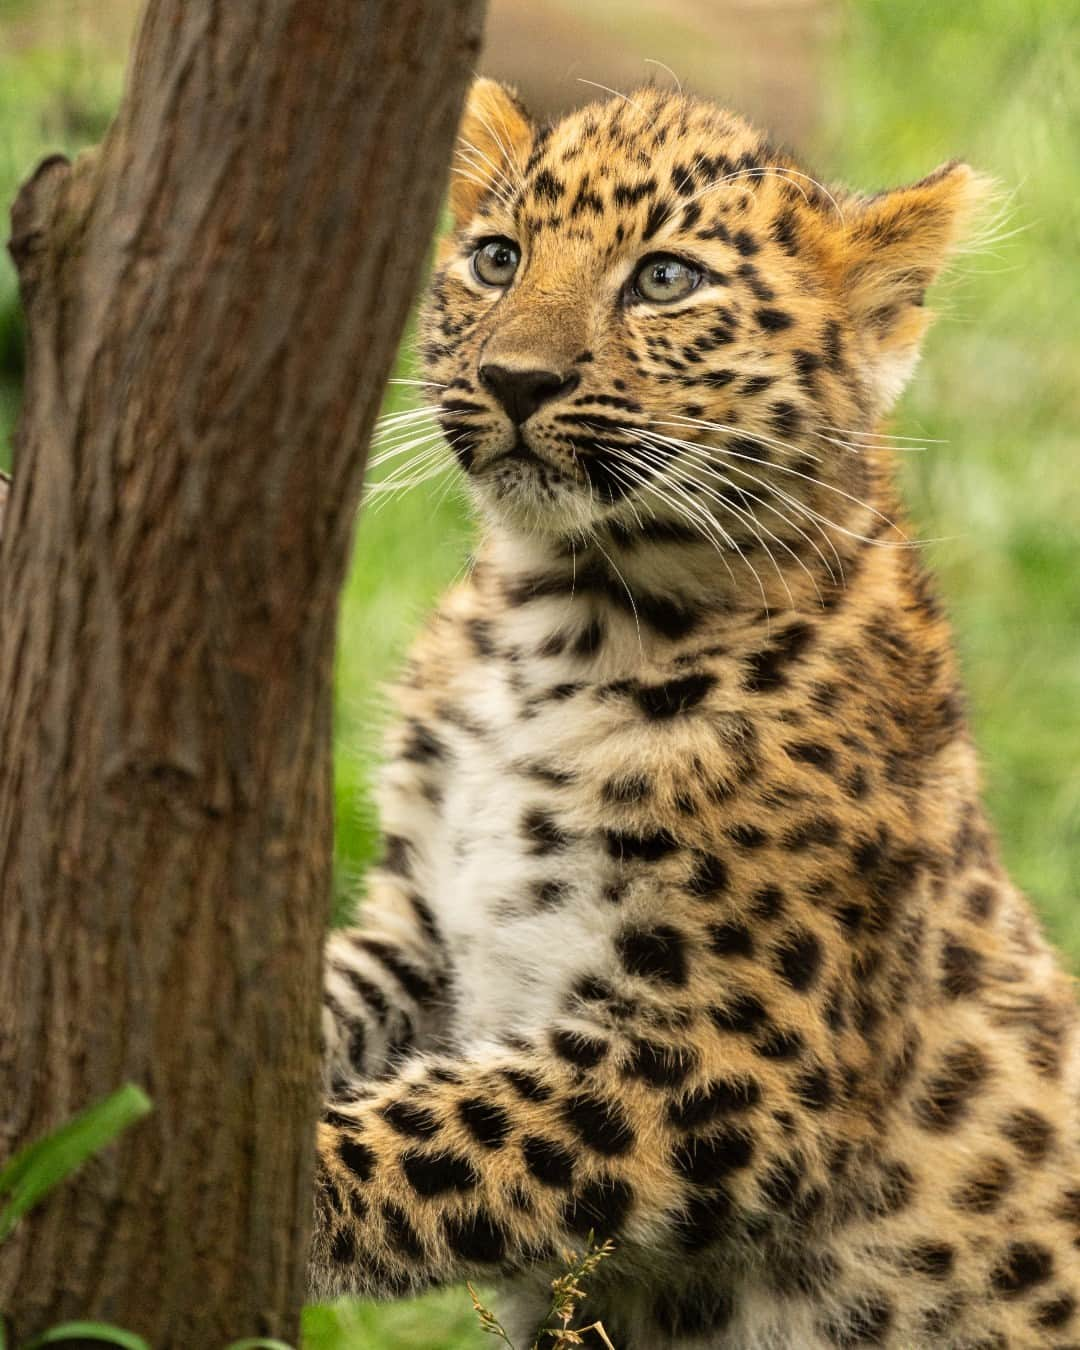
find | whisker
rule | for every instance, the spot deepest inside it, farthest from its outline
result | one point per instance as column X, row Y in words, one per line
column 504, row 148
column 711, row 471
column 398, row 450
column 616, row 94
column 706, row 465
column 755, row 527
column 723, row 427
column 809, row 478
column 651, row 61
column 626, row 588
column 886, row 436
column 692, row 512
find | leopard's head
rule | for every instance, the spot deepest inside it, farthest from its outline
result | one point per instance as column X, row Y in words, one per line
column 648, row 317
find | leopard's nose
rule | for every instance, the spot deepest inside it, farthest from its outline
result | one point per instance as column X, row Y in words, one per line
column 521, row 392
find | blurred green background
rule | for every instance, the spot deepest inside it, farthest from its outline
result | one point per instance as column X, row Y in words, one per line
column 870, row 92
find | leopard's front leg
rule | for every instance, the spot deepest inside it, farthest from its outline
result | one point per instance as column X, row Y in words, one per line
column 459, row 1168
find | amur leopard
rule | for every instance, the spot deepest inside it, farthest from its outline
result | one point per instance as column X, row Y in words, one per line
column 689, row 929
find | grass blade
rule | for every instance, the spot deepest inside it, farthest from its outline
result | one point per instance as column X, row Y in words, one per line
column 254, row 1343
column 36, row 1169
column 89, row 1331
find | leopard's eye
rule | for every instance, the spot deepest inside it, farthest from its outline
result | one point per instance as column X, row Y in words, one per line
column 495, row 262
column 662, row 279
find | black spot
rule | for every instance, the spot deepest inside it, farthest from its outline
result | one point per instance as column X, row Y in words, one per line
column 647, row 847
column 720, row 1097
column 480, row 635
column 832, row 343
column 1031, row 1132
column 864, row 1323
column 983, row 1188
column 745, row 243
column 629, row 194
column 961, row 969
column 766, row 668
column 782, row 1180
column 591, row 638
column 527, row 1085
column 706, row 1218
column 1056, row 1312
column 416, row 985
column 343, row 1247
column 329, row 1195
column 768, row 903
column 408, row 1118
column 548, row 1161
column 593, row 989
column 1024, row 1265
column 576, row 1048
column 541, row 829
column 487, row 1122
column 548, row 895
column 814, row 1088
column 660, row 701
column 600, row 1207
column 400, row 1234
column 811, row 752
column 773, row 320
column 731, row 939
column 741, row 1013
column 798, row 959
column 659, row 214
column 895, row 1187
column 547, row 187
column 709, row 877
column 437, row 1173
column 475, row 1237
column 654, row 953
column 396, row 857
column 785, row 419
column 705, row 1159
column 981, row 902
column 780, row 1044
column 948, row 1092
column 818, row 831
column 600, row 1125
column 931, row 1259
column 785, row 232
column 357, row 1157
column 660, row 1065
column 625, row 790
column 747, row 836
column 698, row 1311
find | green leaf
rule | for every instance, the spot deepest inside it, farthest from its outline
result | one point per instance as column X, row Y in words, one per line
column 40, row 1166
column 89, row 1331
column 253, row 1344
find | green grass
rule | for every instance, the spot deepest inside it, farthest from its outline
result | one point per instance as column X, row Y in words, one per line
column 994, row 81
column 908, row 85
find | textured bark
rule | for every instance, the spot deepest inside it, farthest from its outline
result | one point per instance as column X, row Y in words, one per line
column 213, row 300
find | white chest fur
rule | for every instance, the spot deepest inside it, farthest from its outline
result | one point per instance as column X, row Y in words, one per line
column 521, row 895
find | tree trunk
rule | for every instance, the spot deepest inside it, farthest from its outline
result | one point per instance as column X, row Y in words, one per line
column 214, row 298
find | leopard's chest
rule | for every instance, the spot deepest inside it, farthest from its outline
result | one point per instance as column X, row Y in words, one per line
column 524, row 872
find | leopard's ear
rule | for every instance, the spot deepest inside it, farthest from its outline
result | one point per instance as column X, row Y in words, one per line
column 494, row 140
column 892, row 247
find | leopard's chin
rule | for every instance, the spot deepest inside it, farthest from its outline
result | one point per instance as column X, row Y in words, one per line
column 525, row 491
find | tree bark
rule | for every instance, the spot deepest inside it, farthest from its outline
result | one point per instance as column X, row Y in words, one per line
column 213, row 298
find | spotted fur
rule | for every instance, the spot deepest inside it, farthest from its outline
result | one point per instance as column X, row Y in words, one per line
column 689, row 929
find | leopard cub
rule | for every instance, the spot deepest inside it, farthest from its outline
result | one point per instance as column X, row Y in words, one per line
column 689, row 929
